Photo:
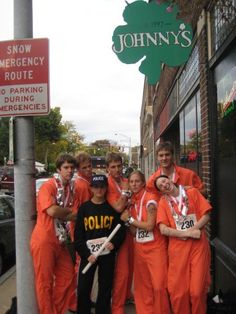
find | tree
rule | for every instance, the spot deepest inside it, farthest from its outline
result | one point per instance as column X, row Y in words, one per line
column 52, row 137
column 49, row 128
column 101, row 147
column 72, row 137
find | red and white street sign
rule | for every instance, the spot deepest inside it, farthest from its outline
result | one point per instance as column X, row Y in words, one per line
column 24, row 77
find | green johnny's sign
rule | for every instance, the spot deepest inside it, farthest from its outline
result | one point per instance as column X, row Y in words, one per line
column 154, row 35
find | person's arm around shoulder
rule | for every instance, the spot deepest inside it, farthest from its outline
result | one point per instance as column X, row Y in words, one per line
column 150, row 187
column 197, row 183
column 120, row 204
column 148, row 225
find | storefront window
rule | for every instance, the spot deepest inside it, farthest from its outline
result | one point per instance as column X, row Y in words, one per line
column 190, row 135
column 189, row 75
column 225, row 79
column 182, row 138
column 223, row 21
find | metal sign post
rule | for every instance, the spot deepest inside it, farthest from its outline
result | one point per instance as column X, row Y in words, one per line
column 24, row 167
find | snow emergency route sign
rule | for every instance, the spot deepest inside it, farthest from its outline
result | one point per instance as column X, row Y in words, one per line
column 24, row 77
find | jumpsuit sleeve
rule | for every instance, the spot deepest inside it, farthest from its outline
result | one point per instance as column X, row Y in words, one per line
column 162, row 216
column 119, row 237
column 150, row 184
column 197, row 183
column 112, row 196
column 80, row 235
column 83, row 190
column 200, row 202
column 46, row 196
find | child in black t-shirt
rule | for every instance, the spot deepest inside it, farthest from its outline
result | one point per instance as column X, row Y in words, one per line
column 95, row 221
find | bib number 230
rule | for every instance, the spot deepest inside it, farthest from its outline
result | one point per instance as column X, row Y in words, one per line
column 189, row 222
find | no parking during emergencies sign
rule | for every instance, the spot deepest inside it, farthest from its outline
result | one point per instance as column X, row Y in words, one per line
column 24, row 77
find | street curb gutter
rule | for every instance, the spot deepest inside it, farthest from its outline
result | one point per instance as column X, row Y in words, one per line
column 8, row 274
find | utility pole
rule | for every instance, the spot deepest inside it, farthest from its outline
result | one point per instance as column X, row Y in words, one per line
column 11, row 151
column 130, row 146
column 24, row 177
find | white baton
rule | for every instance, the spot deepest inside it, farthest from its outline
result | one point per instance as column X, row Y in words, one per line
column 114, row 231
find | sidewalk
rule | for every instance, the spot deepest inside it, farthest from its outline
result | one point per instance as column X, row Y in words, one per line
column 7, row 289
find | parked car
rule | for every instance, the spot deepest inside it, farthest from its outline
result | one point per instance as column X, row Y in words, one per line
column 7, row 179
column 7, row 229
column 39, row 182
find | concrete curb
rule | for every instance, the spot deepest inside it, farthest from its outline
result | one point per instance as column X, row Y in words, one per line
column 8, row 274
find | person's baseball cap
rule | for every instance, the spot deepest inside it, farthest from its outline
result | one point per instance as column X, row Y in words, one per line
column 99, row 180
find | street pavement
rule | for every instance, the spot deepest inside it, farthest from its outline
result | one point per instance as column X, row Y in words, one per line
column 8, row 291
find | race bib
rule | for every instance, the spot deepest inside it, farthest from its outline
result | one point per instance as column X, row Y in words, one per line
column 143, row 236
column 187, row 223
column 62, row 230
column 95, row 244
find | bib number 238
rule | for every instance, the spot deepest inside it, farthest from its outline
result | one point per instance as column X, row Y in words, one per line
column 95, row 244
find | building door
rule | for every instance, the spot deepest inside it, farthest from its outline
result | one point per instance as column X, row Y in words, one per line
column 225, row 174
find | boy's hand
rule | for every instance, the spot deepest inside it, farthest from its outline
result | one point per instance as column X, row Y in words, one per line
column 109, row 246
column 92, row 259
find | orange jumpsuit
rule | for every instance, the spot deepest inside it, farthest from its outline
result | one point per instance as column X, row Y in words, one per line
column 182, row 176
column 123, row 275
column 189, row 260
column 54, row 270
column 82, row 187
column 150, row 264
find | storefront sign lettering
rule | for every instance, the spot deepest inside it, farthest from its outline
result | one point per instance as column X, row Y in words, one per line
column 154, row 35
column 230, row 103
column 231, row 108
column 155, row 39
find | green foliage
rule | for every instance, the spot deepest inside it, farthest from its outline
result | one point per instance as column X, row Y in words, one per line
column 52, row 137
column 51, row 168
column 72, row 137
column 101, row 147
column 49, row 128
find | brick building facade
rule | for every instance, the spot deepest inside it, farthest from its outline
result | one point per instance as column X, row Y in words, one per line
column 194, row 106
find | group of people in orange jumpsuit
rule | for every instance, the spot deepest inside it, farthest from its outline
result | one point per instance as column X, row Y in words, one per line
column 164, row 260
column 171, row 250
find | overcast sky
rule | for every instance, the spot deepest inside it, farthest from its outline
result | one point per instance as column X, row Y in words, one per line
column 94, row 90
